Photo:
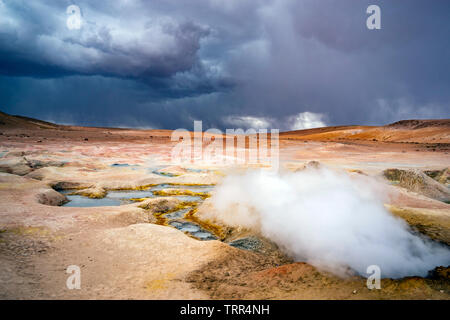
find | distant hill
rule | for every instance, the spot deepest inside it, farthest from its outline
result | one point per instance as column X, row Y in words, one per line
column 419, row 124
column 421, row 131
column 412, row 131
column 8, row 122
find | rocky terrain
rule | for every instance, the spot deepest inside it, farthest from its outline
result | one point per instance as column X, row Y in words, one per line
column 111, row 202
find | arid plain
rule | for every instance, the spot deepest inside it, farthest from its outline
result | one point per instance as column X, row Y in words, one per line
column 145, row 228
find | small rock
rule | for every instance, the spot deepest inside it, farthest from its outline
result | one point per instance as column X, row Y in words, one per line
column 354, row 291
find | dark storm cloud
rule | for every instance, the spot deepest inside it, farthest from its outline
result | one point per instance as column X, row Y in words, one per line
column 165, row 63
column 140, row 49
column 322, row 58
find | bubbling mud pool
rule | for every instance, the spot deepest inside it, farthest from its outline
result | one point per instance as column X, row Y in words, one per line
column 176, row 219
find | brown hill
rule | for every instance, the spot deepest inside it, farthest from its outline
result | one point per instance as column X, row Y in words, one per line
column 412, row 131
column 419, row 124
column 11, row 122
column 409, row 131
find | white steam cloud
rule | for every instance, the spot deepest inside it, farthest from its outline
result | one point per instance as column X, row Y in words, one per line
column 307, row 120
column 329, row 219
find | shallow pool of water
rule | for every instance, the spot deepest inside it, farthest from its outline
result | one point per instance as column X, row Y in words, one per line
column 132, row 194
column 84, row 202
column 174, row 219
column 204, row 235
column 193, row 188
column 193, row 229
column 177, row 214
column 188, row 198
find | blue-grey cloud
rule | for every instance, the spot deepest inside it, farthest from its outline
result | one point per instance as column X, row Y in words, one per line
column 164, row 63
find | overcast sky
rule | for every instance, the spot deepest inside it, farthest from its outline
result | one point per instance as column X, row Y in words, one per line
column 231, row 63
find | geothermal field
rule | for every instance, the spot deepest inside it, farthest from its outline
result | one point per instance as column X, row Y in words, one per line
column 112, row 203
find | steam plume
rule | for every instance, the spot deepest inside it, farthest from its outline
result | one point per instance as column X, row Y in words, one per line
column 329, row 219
